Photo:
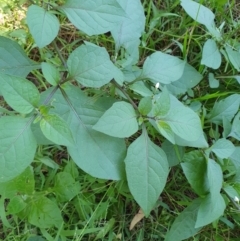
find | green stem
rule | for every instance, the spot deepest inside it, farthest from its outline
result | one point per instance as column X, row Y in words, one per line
column 126, row 94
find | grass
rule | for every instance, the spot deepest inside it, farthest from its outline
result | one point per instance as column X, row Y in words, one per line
column 103, row 210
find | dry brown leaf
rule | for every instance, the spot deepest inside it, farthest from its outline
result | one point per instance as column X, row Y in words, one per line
column 137, row 218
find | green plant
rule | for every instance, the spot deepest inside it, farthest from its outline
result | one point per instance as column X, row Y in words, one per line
column 119, row 118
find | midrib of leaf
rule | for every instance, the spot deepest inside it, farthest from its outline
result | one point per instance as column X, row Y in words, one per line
column 80, row 120
column 147, row 158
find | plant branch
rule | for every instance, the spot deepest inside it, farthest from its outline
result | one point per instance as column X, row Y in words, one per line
column 126, row 94
column 59, row 54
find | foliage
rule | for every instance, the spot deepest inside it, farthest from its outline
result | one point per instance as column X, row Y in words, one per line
column 121, row 111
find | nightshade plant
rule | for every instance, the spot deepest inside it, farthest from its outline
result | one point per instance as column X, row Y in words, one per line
column 95, row 132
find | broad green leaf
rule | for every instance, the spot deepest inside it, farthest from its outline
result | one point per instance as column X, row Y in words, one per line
column 194, row 167
column 90, row 65
column 184, row 122
column 94, row 16
column 234, row 57
column 97, row 154
column 174, row 153
column 162, row 68
column 16, row 205
column 227, row 108
column 200, row 142
column 227, row 126
column 147, row 165
column 183, row 226
column 131, row 27
column 235, row 157
column 213, row 83
column 17, row 146
column 118, row 121
column 198, row 12
column 43, row 25
column 161, row 103
column 223, row 148
column 65, row 187
column 50, row 73
column 190, row 78
column 141, row 88
column 211, row 56
column 214, row 177
column 19, row 93
column 145, row 105
column 235, row 129
column 56, row 130
column 210, row 209
column 127, row 33
column 13, row 59
column 22, row 184
column 44, row 213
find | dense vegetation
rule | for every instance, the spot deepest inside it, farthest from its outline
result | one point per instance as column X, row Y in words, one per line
column 119, row 120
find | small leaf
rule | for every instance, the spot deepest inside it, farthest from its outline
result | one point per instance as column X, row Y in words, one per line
column 231, row 191
column 65, row 187
column 131, row 27
column 235, row 129
column 183, row 226
column 214, row 177
column 141, row 88
column 235, row 157
column 19, row 93
column 210, row 209
column 118, row 121
column 127, row 33
column 194, row 167
column 90, row 65
column 227, row 108
column 162, row 68
column 174, row 153
column 223, row 148
column 190, row 78
column 50, row 73
column 16, row 205
column 146, row 163
column 198, row 12
column 161, row 103
column 211, row 56
column 234, row 57
column 44, row 26
column 166, row 131
column 184, row 122
column 17, row 146
column 44, row 213
column 56, row 130
column 137, row 218
column 13, row 59
column 145, row 105
column 213, row 83
column 94, row 16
